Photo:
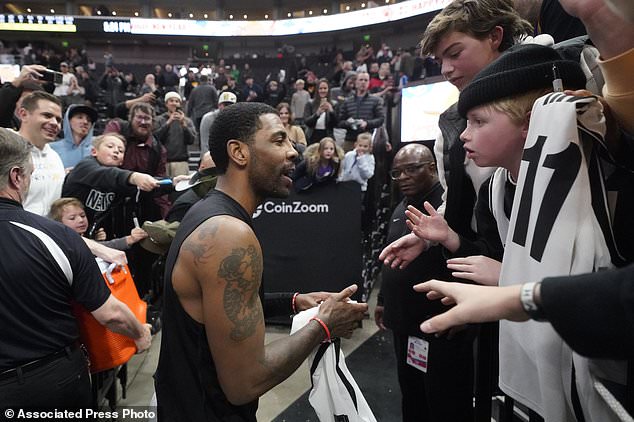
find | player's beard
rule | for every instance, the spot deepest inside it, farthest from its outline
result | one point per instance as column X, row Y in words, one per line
column 266, row 180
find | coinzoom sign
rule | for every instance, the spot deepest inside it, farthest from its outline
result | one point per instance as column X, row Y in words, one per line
column 295, row 207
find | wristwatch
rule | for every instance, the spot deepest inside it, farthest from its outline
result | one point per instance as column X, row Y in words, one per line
column 527, row 297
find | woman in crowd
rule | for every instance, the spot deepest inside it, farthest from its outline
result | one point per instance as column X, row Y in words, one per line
column 319, row 114
column 294, row 132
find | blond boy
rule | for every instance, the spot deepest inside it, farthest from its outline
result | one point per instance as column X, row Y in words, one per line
column 97, row 181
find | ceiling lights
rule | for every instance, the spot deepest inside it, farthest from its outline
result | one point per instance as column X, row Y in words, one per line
column 267, row 16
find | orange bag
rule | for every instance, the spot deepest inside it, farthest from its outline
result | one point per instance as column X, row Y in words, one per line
column 107, row 349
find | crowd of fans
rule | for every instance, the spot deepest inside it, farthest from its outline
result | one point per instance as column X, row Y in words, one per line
column 167, row 116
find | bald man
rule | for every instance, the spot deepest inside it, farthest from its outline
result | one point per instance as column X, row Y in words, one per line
column 448, row 365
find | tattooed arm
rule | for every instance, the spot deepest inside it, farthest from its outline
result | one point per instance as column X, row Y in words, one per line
column 224, row 258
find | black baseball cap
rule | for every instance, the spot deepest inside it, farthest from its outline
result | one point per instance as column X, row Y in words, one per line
column 78, row 108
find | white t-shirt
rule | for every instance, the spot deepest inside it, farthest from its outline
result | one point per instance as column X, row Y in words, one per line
column 46, row 181
column 63, row 88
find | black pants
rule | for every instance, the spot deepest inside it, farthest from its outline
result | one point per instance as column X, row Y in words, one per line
column 63, row 383
column 445, row 392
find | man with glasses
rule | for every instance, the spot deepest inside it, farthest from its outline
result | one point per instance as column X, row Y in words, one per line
column 427, row 366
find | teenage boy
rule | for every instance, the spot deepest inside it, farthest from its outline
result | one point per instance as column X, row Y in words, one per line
column 79, row 123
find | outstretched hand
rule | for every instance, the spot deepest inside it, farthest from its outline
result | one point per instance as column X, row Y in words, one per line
column 432, row 227
column 474, row 304
column 143, row 181
column 401, row 252
column 480, row 269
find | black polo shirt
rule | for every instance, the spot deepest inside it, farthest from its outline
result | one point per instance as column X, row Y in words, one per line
column 44, row 265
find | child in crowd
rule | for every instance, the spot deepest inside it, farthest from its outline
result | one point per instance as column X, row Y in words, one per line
column 358, row 164
column 299, row 99
column 70, row 212
column 98, row 182
column 322, row 164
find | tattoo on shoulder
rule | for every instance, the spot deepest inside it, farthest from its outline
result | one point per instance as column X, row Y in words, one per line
column 242, row 270
column 201, row 243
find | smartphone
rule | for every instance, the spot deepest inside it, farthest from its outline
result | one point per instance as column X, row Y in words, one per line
column 52, row 76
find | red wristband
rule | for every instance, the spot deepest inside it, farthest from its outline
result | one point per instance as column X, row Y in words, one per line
column 324, row 326
column 294, row 302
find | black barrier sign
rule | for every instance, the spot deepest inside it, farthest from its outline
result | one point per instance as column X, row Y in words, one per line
column 311, row 241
